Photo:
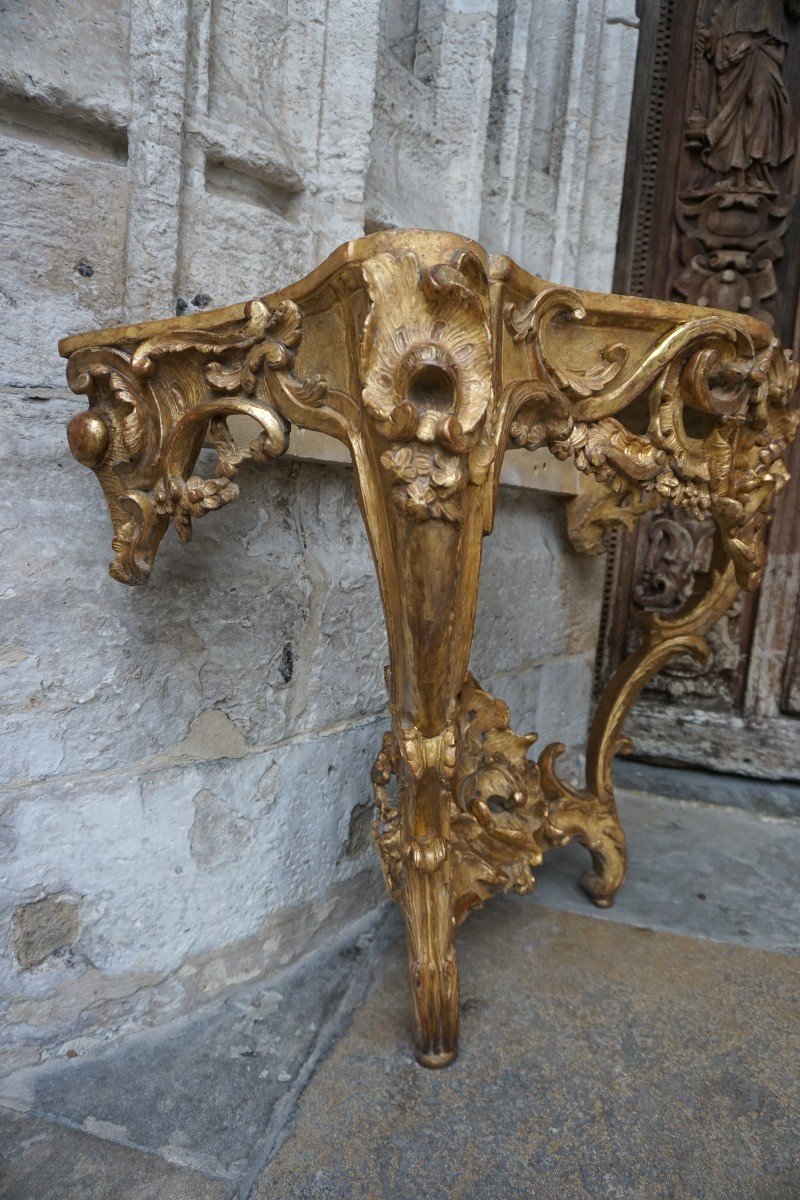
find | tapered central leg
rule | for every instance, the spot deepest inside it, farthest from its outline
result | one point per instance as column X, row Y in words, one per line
column 423, row 452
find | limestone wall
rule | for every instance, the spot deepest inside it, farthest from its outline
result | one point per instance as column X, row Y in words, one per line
column 184, row 794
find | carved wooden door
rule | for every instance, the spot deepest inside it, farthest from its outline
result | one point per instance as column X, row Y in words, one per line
column 710, row 217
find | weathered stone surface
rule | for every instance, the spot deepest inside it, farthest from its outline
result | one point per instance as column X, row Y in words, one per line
column 537, row 597
column 224, row 849
column 60, row 212
column 200, row 1092
column 772, row 798
column 43, row 1161
column 580, row 1008
column 597, row 1059
column 79, row 60
column 44, row 927
column 533, row 163
column 162, row 160
column 699, row 869
column 231, row 256
column 99, row 676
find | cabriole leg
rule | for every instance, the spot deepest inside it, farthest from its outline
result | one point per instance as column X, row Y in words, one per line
column 422, row 470
column 429, row 619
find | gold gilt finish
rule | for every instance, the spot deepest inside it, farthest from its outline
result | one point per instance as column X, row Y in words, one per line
column 427, row 359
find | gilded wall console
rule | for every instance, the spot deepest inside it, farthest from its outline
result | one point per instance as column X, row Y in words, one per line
column 428, row 359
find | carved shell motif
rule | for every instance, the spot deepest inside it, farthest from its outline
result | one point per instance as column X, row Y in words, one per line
column 427, row 377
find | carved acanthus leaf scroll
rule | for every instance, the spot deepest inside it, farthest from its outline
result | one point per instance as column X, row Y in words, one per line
column 504, row 812
column 151, row 407
column 497, row 808
column 730, row 468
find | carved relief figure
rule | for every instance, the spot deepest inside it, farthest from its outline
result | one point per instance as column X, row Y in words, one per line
column 674, row 550
column 740, row 165
column 752, row 128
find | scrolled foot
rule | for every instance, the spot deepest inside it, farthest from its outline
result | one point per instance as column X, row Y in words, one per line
column 602, row 884
column 580, row 815
column 427, row 905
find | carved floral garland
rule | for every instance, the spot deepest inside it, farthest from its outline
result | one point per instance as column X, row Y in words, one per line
column 733, row 474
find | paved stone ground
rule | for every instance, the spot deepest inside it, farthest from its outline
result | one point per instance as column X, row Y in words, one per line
column 776, row 799
column 649, row 1052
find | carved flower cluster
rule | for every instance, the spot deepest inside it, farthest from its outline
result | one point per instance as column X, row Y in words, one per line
column 427, row 378
column 194, row 497
column 429, row 481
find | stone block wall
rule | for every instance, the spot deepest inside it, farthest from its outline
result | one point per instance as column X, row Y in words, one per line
column 184, row 796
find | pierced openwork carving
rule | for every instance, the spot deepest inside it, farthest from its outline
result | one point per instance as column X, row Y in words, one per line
column 730, row 469
column 427, row 359
column 152, row 403
column 427, row 379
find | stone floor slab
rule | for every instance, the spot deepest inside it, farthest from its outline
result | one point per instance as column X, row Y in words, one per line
column 199, row 1092
column 598, row 1061
column 45, row 1161
column 700, row 869
column 774, row 798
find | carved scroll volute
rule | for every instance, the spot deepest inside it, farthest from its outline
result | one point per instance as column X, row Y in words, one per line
column 119, row 438
column 422, row 457
column 153, row 401
column 726, row 464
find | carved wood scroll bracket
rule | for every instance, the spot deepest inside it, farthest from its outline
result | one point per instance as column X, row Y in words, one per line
column 428, row 359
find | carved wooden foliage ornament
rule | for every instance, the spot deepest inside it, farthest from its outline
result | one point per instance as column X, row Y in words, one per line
column 427, row 359
column 737, row 174
column 740, row 174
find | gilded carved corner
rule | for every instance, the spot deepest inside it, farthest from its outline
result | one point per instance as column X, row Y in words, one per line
column 154, row 400
column 426, row 370
column 693, row 411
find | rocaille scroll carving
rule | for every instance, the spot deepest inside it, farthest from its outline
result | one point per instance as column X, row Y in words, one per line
column 151, row 406
column 426, row 376
column 497, row 808
column 427, row 359
column 731, row 471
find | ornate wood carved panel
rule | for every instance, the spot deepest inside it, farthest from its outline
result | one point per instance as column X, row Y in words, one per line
column 710, row 217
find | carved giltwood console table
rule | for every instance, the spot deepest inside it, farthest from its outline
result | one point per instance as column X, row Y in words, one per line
column 427, row 359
